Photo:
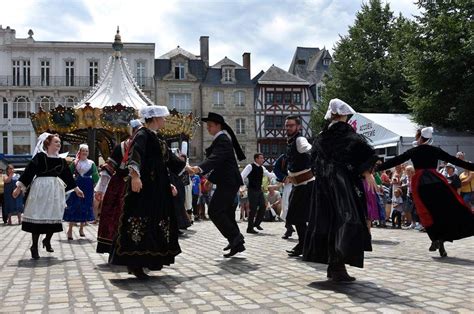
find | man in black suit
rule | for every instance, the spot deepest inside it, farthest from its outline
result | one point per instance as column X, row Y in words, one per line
column 223, row 171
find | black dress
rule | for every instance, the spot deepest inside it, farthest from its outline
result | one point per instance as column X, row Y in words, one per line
column 441, row 209
column 337, row 231
column 147, row 231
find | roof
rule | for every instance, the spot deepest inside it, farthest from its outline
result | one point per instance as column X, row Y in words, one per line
column 116, row 85
column 275, row 75
column 178, row 51
column 227, row 62
column 214, row 77
column 307, row 63
column 196, row 68
column 397, row 123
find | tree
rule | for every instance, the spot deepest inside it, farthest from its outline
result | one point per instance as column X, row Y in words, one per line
column 367, row 71
column 441, row 65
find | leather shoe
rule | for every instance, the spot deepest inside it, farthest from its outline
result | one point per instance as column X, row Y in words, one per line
column 434, row 246
column 227, row 247
column 139, row 273
column 252, row 231
column 340, row 276
column 259, row 228
column 285, row 236
column 236, row 249
column 47, row 245
column 294, row 253
column 34, row 252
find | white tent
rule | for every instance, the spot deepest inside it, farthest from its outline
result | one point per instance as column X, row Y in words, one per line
column 392, row 134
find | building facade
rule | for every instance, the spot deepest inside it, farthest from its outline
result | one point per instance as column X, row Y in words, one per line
column 229, row 91
column 311, row 64
column 178, row 78
column 277, row 95
column 51, row 73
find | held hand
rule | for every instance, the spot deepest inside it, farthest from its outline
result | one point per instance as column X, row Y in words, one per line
column 174, row 191
column 16, row 192
column 208, row 185
column 136, row 184
column 189, row 170
column 79, row 192
column 99, row 196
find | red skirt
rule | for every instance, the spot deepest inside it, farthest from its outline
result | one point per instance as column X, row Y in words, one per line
column 441, row 209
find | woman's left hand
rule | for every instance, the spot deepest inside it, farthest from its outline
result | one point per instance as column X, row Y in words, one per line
column 370, row 180
column 16, row 192
column 174, row 191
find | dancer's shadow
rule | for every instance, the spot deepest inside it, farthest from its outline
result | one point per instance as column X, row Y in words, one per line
column 78, row 241
column 385, row 242
column 454, row 260
column 355, row 290
column 42, row 262
column 156, row 283
column 106, row 267
column 236, row 266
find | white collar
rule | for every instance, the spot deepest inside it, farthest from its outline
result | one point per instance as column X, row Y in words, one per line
column 218, row 133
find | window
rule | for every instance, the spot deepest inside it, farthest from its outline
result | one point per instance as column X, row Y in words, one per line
column 140, row 73
column 227, row 75
column 278, row 98
column 326, row 61
column 5, row 108
column 287, row 97
column 21, row 73
column 179, row 71
column 274, row 122
column 218, row 99
column 269, row 97
column 45, row 102
column 297, row 98
column 70, row 101
column 239, row 98
column 69, row 73
column 93, row 72
column 5, row 142
column 265, row 149
column 44, row 71
column 21, row 142
column 240, row 126
column 20, row 107
column 182, row 102
column 319, row 92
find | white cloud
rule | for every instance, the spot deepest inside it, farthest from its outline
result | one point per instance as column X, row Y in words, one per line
column 269, row 30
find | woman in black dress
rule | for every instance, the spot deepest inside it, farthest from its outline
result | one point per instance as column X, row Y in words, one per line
column 337, row 232
column 442, row 211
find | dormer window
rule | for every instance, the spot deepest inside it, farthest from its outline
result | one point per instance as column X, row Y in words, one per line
column 326, row 61
column 179, row 71
column 227, row 75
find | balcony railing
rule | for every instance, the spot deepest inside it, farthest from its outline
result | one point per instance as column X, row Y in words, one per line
column 61, row 81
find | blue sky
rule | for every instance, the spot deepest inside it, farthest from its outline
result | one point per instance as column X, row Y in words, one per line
column 269, row 30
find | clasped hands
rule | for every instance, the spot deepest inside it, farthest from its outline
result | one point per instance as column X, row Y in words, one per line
column 193, row 170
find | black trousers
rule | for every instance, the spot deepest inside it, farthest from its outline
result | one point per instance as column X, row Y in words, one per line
column 222, row 213
column 257, row 208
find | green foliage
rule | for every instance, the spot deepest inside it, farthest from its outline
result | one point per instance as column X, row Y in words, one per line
column 441, row 64
column 368, row 69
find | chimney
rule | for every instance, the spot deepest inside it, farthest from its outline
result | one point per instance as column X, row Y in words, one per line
column 246, row 61
column 204, row 42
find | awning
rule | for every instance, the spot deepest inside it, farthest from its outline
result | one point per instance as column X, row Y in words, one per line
column 386, row 145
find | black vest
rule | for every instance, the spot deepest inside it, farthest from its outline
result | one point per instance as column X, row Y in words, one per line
column 296, row 161
column 255, row 178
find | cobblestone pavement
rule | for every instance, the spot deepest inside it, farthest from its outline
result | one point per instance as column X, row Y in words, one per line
column 399, row 276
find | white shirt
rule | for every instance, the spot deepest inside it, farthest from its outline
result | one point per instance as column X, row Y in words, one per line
column 248, row 169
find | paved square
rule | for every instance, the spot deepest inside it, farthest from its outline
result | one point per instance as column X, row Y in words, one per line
column 399, row 276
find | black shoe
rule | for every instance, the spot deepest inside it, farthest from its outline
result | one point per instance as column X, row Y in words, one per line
column 34, row 252
column 139, row 273
column 434, row 246
column 294, row 253
column 340, row 276
column 227, row 247
column 47, row 244
column 259, row 228
column 252, row 231
column 442, row 251
column 236, row 249
column 285, row 236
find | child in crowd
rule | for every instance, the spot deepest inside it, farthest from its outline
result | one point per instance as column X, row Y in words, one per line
column 397, row 204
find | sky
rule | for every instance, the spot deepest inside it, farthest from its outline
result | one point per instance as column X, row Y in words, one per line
column 269, row 30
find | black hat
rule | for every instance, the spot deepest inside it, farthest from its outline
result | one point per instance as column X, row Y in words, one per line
column 214, row 117
column 217, row 118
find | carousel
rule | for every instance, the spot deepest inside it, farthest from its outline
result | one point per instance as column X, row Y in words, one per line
column 101, row 118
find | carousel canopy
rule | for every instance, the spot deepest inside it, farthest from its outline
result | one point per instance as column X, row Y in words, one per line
column 117, row 84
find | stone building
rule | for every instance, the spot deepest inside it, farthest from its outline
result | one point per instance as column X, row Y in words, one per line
column 51, row 73
column 311, row 64
column 229, row 91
